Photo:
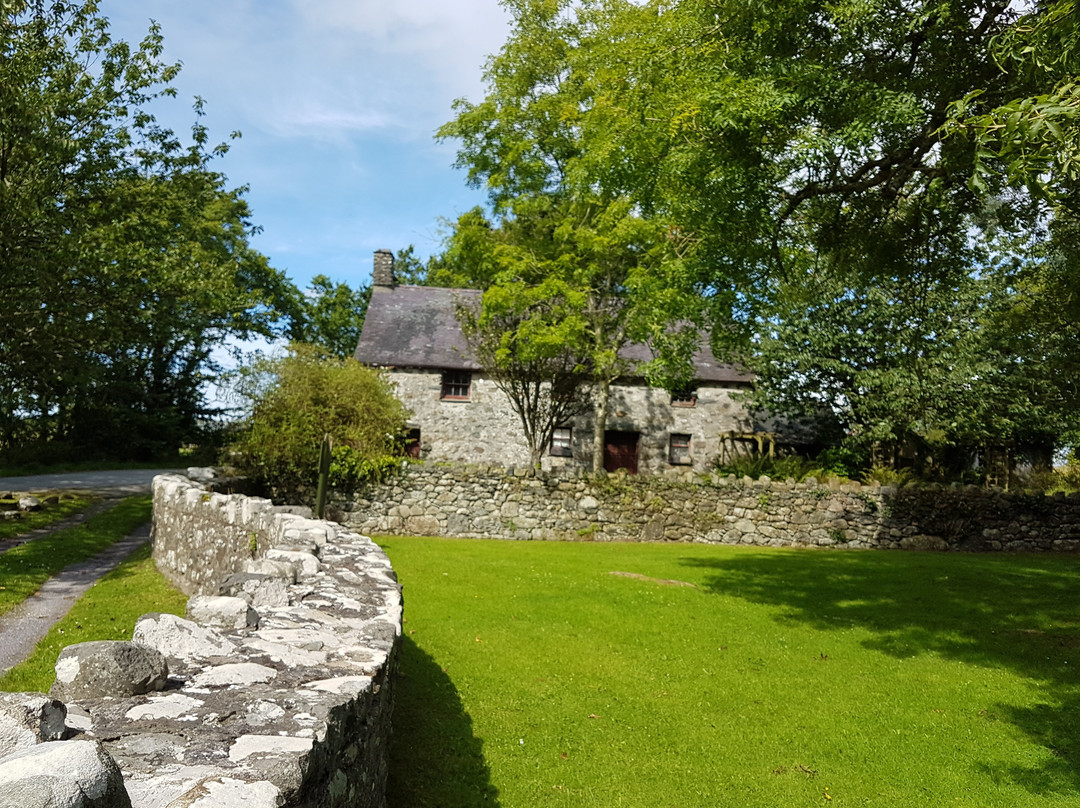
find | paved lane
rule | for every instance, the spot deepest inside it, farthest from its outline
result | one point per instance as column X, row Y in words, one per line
column 131, row 481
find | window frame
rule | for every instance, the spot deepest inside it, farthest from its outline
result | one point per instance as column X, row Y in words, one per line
column 562, row 448
column 684, row 398
column 679, row 449
column 453, row 381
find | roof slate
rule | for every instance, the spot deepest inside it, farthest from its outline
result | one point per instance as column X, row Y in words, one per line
column 417, row 327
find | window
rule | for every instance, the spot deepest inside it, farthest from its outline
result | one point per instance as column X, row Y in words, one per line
column 679, row 450
column 560, row 442
column 684, row 398
column 455, row 385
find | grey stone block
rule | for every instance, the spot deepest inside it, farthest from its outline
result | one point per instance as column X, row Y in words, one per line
column 222, row 611
column 62, row 774
column 27, row 719
column 92, row 670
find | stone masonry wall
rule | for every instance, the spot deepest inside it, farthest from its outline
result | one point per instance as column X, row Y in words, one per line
column 485, row 428
column 437, row 499
column 291, row 708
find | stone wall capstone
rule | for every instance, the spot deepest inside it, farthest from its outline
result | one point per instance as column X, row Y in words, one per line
column 273, row 703
column 515, row 503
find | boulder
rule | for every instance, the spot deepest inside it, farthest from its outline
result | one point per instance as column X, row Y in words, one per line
column 62, row 774
column 27, row 719
column 29, row 503
column 222, row 611
column 93, row 670
column 178, row 638
column 201, row 474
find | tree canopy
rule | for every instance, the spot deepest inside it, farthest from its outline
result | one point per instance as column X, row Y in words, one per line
column 124, row 256
column 871, row 200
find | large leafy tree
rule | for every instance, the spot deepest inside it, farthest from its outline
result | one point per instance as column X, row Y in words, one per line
column 124, row 257
column 530, row 340
column 330, row 315
column 806, row 157
column 622, row 272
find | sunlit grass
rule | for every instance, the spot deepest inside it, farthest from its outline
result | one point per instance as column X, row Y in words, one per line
column 25, row 568
column 32, row 520
column 533, row 676
column 107, row 611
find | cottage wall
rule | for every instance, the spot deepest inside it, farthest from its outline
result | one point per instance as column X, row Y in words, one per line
column 486, row 430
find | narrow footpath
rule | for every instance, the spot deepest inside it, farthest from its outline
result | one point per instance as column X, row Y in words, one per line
column 23, row 627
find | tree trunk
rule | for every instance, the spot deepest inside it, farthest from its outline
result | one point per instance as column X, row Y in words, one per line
column 603, row 392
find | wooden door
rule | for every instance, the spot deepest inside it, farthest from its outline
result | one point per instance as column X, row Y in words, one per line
column 620, row 451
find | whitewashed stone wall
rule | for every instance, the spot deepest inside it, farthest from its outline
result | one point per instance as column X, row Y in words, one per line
column 485, row 429
column 293, row 707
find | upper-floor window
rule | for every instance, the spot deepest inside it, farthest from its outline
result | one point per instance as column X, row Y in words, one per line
column 456, row 385
column 679, row 450
column 684, row 398
column 560, row 442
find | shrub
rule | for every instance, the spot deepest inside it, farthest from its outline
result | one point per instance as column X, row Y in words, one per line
column 296, row 399
column 885, row 475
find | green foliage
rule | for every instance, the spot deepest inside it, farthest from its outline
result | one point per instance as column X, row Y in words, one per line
column 531, row 676
column 330, row 315
column 778, row 468
column 869, row 202
column 124, row 257
column 297, row 399
column 886, row 475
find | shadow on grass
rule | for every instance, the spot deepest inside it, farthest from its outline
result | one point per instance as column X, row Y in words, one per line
column 435, row 759
column 1014, row 612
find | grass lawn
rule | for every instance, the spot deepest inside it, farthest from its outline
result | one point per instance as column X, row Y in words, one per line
column 31, row 520
column 533, row 676
column 25, row 568
column 107, row 611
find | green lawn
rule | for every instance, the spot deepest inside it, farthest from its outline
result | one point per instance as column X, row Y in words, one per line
column 31, row 520
column 532, row 676
column 25, row 568
column 107, row 611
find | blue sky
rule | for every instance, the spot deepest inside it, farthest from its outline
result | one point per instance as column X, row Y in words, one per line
column 338, row 101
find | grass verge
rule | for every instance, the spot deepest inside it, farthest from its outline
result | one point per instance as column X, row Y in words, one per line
column 531, row 675
column 107, row 611
column 32, row 520
column 25, row 568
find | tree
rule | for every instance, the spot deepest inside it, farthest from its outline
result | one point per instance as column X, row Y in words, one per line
column 621, row 271
column 331, row 315
column 124, row 259
column 529, row 340
column 772, row 142
column 294, row 400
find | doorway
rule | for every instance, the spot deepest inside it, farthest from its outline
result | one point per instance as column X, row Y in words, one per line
column 620, row 451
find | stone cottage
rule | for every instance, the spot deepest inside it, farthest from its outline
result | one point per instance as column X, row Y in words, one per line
column 459, row 415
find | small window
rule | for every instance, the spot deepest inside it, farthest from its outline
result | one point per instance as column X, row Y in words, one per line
column 679, row 450
column 560, row 442
column 455, row 385
column 684, row 398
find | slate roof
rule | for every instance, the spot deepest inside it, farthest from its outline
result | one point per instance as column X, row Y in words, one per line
column 416, row 327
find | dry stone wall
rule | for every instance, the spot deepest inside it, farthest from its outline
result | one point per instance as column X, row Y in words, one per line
column 481, row 502
column 278, row 694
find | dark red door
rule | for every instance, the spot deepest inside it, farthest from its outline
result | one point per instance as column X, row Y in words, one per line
column 620, row 451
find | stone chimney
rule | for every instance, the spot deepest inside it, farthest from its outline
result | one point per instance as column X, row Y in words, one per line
column 382, row 273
